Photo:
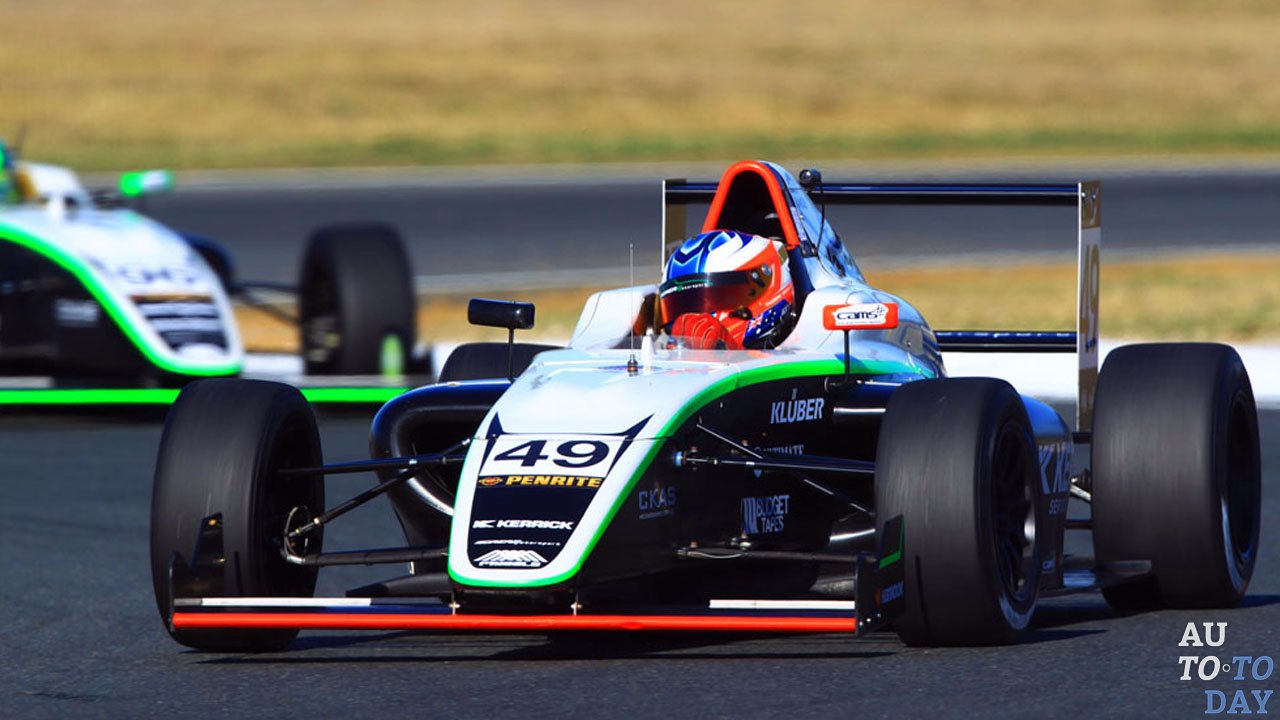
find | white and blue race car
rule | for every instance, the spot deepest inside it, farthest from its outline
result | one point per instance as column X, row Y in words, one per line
column 635, row 480
column 99, row 303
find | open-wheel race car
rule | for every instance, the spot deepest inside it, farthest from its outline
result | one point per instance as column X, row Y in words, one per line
column 101, row 305
column 760, row 441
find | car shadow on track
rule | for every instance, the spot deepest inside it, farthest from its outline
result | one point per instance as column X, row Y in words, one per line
column 391, row 648
column 1251, row 601
column 1055, row 621
column 1052, row 619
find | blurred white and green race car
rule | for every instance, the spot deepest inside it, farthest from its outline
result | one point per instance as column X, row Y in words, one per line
column 101, row 304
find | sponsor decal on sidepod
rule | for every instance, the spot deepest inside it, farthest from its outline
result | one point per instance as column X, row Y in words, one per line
column 522, row 524
column 658, row 502
column 796, row 410
column 765, row 515
column 511, row 558
column 565, row 481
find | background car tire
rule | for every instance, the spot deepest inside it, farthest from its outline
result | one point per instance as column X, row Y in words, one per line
column 957, row 460
column 356, row 303
column 1177, row 473
column 488, row 360
column 222, row 444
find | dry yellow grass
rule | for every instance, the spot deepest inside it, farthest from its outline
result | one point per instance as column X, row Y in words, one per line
column 1200, row 298
column 1209, row 297
column 324, row 82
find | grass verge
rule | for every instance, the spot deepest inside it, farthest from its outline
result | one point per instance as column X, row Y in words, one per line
column 1207, row 297
column 243, row 83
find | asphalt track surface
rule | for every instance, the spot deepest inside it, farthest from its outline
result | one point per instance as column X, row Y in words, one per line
column 82, row 637
column 552, row 225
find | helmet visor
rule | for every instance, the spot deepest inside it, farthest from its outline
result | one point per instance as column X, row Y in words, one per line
column 708, row 293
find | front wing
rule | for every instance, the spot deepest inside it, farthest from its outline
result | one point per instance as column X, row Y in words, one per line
column 878, row 599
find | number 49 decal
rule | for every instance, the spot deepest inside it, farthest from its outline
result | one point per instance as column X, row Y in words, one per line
column 568, row 454
column 593, row 455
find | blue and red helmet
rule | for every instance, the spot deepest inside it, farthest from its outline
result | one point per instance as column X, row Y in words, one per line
column 743, row 280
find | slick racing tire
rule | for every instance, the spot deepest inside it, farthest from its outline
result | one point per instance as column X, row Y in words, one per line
column 217, row 495
column 357, row 313
column 957, row 460
column 488, row 360
column 1176, row 474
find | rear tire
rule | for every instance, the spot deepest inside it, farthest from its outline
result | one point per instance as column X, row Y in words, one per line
column 223, row 442
column 356, row 304
column 957, row 460
column 1177, row 474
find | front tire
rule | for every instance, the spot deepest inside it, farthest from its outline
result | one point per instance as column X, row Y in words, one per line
column 956, row 459
column 223, row 443
column 1177, row 474
column 356, row 303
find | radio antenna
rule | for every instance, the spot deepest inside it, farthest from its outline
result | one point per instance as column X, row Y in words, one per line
column 633, row 366
column 811, row 178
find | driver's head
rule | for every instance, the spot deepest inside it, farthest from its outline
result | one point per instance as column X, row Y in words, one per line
column 743, row 280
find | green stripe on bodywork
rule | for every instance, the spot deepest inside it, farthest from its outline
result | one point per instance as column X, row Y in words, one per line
column 81, row 271
column 165, row 396
column 896, row 555
column 352, row 395
column 88, row 396
column 713, row 392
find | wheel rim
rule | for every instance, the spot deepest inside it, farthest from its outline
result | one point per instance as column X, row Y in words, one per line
column 277, row 499
column 1013, row 514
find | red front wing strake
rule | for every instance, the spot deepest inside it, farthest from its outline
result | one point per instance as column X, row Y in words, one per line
column 512, row 623
column 824, row 616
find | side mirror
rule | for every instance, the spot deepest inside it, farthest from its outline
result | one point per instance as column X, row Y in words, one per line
column 145, row 182
column 504, row 314
column 500, row 313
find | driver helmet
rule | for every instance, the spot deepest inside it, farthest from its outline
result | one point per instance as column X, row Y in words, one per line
column 742, row 280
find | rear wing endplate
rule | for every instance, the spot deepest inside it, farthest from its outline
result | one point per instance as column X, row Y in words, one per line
column 1086, row 197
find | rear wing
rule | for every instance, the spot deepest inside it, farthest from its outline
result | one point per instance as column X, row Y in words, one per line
column 1086, row 197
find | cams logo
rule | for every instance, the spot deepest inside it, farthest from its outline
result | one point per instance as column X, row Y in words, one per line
column 765, row 515
column 511, row 558
column 796, row 410
column 860, row 316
